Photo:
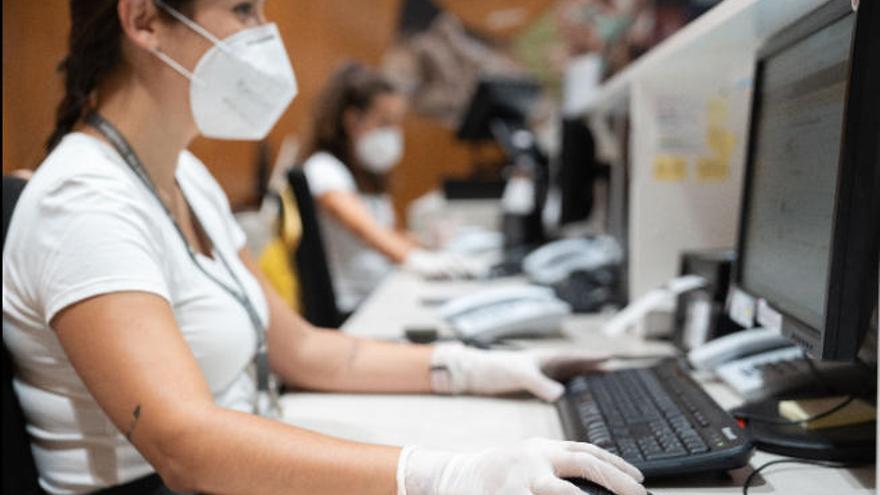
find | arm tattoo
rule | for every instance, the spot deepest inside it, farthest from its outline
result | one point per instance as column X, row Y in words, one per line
column 135, row 416
column 353, row 354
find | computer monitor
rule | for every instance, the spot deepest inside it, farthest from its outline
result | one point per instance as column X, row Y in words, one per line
column 499, row 111
column 503, row 101
column 809, row 227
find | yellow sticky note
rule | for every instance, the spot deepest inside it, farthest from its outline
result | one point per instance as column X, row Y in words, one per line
column 721, row 141
column 670, row 168
column 712, row 169
column 717, row 110
column 856, row 412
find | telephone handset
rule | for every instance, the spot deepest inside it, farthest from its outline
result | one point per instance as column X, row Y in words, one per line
column 494, row 314
column 554, row 262
column 756, row 363
column 761, row 363
column 786, row 369
column 735, row 346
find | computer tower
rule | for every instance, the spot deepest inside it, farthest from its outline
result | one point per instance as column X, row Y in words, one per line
column 700, row 314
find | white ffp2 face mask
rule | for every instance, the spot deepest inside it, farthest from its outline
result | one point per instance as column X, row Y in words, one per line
column 242, row 85
column 380, row 150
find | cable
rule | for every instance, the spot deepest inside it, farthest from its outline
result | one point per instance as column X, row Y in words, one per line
column 779, row 421
column 822, row 379
column 643, row 357
column 825, row 464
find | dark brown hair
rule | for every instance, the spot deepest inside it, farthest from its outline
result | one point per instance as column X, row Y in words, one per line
column 95, row 51
column 352, row 86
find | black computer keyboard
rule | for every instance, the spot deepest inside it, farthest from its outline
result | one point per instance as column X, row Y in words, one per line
column 656, row 418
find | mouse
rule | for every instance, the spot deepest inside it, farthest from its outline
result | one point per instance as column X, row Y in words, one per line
column 591, row 488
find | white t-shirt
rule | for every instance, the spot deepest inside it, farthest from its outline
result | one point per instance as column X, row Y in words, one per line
column 356, row 267
column 85, row 226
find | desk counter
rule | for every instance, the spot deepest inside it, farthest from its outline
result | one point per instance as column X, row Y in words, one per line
column 467, row 423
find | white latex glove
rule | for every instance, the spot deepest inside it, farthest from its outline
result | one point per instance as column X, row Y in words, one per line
column 457, row 369
column 535, row 467
column 435, row 265
column 468, row 266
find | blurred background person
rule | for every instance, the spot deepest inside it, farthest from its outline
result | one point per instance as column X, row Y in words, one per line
column 356, row 142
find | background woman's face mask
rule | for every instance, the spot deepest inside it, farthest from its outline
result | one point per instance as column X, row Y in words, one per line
column 380, row 150
column 242, row 85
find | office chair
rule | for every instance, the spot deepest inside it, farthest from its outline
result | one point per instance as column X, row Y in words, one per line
column 19, row 471
column 316, row 286
column 12, row 189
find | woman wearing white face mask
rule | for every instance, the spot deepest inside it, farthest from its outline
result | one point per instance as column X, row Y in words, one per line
column 356, row 141
column 142, row 333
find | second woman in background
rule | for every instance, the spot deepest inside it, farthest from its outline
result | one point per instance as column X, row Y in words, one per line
column 356, row 141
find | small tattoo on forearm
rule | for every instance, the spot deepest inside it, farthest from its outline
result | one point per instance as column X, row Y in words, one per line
column 135, row 416
column 355, row 350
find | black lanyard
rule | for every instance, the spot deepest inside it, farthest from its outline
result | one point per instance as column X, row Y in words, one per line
column 129, row 156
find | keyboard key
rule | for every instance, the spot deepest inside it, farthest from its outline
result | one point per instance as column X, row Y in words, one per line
column 649, row 446
column 697, row 448
column 656, row 456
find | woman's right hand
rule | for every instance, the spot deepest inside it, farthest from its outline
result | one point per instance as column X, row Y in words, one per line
column 536, row 467
column 441, row 265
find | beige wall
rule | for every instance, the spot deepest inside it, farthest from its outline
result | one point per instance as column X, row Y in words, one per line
column 33, row 40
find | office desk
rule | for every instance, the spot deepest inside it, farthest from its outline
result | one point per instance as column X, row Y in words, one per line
column 467, row 423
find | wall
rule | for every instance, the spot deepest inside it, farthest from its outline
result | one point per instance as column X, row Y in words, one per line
column 33, row 41
column 319, row 35
column 499, row 19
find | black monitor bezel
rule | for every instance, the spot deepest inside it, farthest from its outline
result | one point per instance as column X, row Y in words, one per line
column 488, row 103
column 853, row 256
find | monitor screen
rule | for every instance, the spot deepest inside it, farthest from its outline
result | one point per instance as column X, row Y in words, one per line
column 796, row 147
column 498, row 98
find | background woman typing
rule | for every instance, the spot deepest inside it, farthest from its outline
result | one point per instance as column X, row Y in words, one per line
column 356, row 141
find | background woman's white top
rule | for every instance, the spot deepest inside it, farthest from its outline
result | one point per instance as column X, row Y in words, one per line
column 85, row 226
column 356, row 268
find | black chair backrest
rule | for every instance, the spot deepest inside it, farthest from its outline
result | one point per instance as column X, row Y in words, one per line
column 19, row 470
column 316, row 285
column 12, row 189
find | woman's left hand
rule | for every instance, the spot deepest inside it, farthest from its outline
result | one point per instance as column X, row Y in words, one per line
column 442, row 265
column 458, row 370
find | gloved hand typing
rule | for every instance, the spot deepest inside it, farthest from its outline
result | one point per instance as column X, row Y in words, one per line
column 457, row 369
column 435, row 265
column 535, row 467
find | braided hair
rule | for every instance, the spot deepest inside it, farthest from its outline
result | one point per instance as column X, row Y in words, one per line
column 95, row 51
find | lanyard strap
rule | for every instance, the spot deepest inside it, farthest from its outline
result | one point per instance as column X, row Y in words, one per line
column 265, row 380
